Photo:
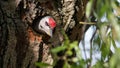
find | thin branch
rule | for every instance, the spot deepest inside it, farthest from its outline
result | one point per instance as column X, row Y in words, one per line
column 91, row 46
column 83, row 43
column 68, row 22
column 88, row 23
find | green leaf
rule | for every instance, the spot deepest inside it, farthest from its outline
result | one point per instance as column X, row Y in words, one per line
column 73, row 44
column 75, row 59
column 67, row 65
column 102, row 10
column 43, row 65
column 89, row 8
column 115, row 59
column 97, row 41
column 105, row 49
column 99, row 64
column 113, row 42
column 69, row 52
column 58, row 49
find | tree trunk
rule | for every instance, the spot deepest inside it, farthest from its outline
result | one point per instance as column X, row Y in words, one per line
column 20, row 46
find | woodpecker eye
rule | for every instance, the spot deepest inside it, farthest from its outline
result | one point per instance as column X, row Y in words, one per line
column 41, row 26
column 46, row 24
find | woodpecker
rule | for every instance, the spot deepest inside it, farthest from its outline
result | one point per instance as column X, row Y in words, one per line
column 44, row 25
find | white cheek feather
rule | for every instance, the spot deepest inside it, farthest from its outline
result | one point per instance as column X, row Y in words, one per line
column 39, row 25
column 42, row 24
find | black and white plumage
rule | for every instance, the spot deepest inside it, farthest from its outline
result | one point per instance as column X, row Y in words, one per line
column 44, row 25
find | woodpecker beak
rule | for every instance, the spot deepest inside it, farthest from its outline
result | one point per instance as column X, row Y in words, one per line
column 49, row 32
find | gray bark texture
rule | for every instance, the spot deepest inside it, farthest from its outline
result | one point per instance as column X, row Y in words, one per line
column 20, row 46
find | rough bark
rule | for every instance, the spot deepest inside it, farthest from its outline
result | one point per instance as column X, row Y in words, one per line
column 71, row 12
column 20, row 46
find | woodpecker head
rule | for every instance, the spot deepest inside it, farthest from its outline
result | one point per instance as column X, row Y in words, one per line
column 44, row 25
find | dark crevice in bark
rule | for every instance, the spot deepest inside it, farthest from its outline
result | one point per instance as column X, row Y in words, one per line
column 3, row 43
column 40, row 52
column 8, row 64
column 21, row 48
column 3, row 38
